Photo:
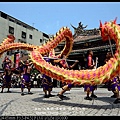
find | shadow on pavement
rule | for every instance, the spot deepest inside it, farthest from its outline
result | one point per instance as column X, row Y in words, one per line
column 94, row 103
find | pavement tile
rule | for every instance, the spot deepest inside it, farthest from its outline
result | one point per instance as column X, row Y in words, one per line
column 13, row 104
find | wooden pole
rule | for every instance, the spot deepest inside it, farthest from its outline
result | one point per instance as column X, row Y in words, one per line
column 59, row 59
column 111, row 47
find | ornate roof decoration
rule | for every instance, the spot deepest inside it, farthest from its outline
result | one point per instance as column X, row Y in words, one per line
column 80, row 31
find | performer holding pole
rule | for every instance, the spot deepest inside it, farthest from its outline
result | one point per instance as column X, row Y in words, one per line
column 87, row 87
column 58, row 59
column 63, row 63
column 114, row 84
column 7, row 76
column 47, row 81
column 25, row 77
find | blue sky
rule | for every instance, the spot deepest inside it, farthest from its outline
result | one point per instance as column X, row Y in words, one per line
column 49, row 17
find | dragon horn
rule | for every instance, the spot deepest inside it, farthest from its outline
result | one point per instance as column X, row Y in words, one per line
column 105, row 22
column 100, row 24
column 115, row 20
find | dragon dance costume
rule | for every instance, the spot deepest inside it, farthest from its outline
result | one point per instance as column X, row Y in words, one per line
column 114, row 85
column 25, row 77
column 89, row 87
column 7, row 76
column 66, row 87
column 46, row 80
column 64, row 64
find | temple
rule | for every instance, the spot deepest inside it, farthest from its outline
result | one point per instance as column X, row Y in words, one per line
column 86, row 39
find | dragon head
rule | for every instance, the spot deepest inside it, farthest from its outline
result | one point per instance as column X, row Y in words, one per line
column 104, row 31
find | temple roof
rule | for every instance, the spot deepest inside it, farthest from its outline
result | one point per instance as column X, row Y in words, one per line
column 81, row 34
column 83, row 38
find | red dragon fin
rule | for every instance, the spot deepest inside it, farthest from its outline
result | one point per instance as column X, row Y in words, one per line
column 115, row 20
column 100, row 24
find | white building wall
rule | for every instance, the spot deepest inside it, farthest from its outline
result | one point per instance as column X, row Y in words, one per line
column 4, row 31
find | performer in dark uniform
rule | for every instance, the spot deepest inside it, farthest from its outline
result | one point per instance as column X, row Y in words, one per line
column 87, row 87
column 116, row 88
column 7, row 76
column 66, row 87
column 47, row 81
column 113, row 84
column 25, row 77
column 5, row 62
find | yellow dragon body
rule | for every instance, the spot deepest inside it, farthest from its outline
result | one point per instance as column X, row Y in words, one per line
column 110, row 30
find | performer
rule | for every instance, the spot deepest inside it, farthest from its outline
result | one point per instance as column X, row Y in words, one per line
column 19, row 69
column 116, row 87
column 25, row 77
column 113, row 84
column 47, row 81
column 87, row 87
column 5, row 61
column 110, row 82
column 67, row 87
column 7, row 76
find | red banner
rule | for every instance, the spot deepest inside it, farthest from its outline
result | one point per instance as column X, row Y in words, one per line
column 17, row 60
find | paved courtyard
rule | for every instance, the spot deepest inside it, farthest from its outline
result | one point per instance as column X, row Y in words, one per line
column 13, row 104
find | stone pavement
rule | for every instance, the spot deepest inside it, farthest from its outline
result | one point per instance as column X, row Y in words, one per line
column 13, row 104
